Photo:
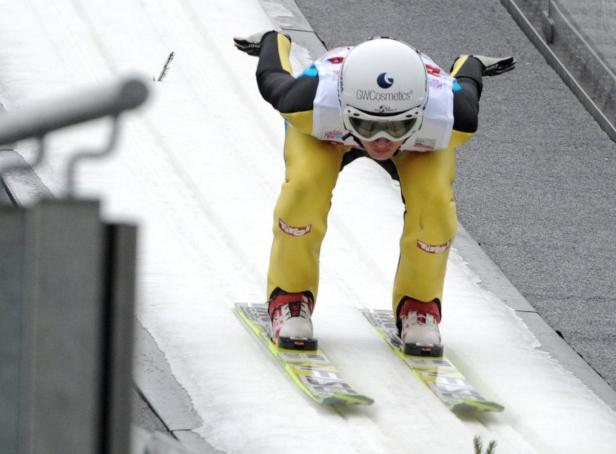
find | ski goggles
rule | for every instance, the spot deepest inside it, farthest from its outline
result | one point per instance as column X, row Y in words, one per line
column 391, row 127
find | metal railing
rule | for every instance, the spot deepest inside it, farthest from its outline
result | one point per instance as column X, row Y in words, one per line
column 571, row 55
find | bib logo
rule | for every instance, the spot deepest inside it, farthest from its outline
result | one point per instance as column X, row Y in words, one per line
column 433, row 70
column 292, row 230
column 433, row 248
column 383, row 81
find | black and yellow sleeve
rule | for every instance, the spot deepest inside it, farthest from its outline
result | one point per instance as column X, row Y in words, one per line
column 292, row 97
column 467, row 71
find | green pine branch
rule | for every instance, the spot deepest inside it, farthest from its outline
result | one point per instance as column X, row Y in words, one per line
column 479, row 446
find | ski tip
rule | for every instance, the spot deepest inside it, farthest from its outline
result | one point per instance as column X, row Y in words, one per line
column 477, row 406
column 347, row 400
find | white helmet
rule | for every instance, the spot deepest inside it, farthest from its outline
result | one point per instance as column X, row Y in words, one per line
column 383, row 90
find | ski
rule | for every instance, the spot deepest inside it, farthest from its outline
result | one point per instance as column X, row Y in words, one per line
column 310, row 370
column 439, row 374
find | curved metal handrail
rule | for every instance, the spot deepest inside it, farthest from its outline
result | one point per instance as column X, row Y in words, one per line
column 38, row 120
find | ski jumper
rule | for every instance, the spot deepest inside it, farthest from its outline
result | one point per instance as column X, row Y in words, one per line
column 317, row 148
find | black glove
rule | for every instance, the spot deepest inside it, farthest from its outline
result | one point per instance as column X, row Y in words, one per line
column 493, row 66
column 251, row 44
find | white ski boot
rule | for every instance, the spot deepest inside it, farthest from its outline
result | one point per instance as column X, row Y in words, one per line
column 419, row 331
column 291, row 323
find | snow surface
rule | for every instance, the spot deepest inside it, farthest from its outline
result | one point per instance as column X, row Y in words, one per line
column 199, row 169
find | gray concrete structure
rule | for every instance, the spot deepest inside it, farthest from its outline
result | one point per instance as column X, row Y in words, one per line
column 167, row 400
column 67, row 297
column 144, row 414
column 4, row 196
column 120, row 280
column 158, row 443
column 11, row 324
column 63, row 356
column 21, row 188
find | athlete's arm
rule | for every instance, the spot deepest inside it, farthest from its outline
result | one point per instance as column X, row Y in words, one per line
column 467, row 71
column 292, row 97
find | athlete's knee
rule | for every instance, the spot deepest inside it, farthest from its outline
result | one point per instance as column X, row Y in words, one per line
column 433, row 215
column 438, row 217
column 310, row 187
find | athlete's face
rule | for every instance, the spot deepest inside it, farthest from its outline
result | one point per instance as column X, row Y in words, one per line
column 381, row 149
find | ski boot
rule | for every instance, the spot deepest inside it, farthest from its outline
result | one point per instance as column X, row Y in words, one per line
column 291, row 324
column 418, row 325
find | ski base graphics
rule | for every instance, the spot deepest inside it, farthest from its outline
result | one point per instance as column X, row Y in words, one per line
column 310, row 370
column 439, row 374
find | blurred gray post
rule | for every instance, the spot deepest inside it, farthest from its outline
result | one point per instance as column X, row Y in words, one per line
column 121, row 275
column 63, row 368
column 77, row 308
column 11, row 321
column 547, row 25
column 67, row 292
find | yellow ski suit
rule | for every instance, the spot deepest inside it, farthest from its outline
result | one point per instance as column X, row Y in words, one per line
column 312, row 168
